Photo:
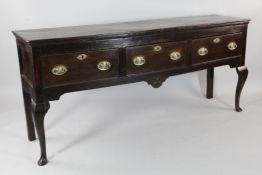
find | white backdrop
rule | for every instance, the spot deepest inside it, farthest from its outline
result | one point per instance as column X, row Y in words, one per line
column 209, row 138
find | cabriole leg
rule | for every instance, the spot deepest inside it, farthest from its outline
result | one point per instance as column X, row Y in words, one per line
column 39, row 111
column 242, row 76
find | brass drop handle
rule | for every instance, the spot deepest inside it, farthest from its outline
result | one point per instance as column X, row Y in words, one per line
column 139, row 60
column 175, row 55
column 104, row 65
column 232, row 46
column 81, row 57
column 202, row 51
column 59, row 70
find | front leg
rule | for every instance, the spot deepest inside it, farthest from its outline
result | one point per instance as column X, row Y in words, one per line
column 210, row 83
column 29, row 118
column 39, row 111
column 242, row 76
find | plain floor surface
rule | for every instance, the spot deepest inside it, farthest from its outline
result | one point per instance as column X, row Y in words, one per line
column 138, row 130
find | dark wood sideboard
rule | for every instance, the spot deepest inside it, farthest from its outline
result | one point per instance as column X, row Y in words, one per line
column 55, row 61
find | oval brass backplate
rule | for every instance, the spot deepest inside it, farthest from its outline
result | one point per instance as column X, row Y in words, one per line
column 104, row 65
column 139, row 60
column 175, row 55
column 232, row 46
column 202, row 51
column 59, row 70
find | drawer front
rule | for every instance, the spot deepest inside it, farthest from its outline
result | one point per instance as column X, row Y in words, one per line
column 145, row 59
column 217, row 47
column 73, row 68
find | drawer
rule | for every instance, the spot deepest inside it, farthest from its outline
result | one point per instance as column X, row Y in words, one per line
column 149, row 58
column 217, row 47
column 73, row 68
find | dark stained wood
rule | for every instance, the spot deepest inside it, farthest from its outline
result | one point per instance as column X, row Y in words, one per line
column 39, row 50
column 155, row 60
column 242, row 73
column 29, row 119
column 156, row 81
column 39, row 111
column 210, row 83
column 77, row 69
column 26, row 95
column 129, row 28
column 54, row 93
column 216, row 50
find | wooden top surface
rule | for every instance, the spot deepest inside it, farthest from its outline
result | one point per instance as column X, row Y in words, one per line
column 127, row 28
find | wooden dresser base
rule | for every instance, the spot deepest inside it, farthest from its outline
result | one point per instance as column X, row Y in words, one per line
column 63, row 60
